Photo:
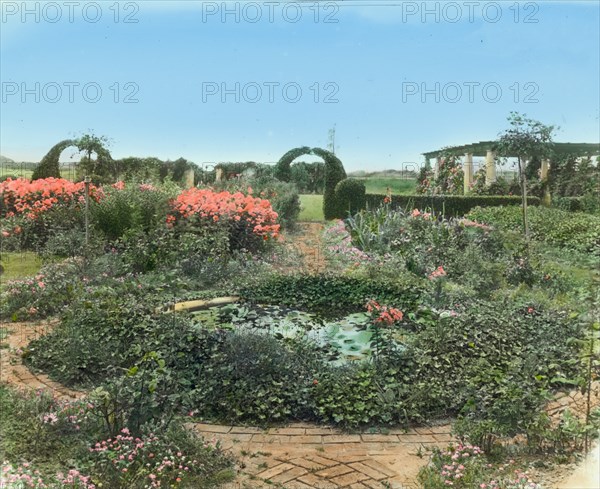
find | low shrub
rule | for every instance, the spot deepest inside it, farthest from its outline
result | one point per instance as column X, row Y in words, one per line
column 464, row 466
column 589, row 203
column 52, row 443
column 351, row 196
column 331, row 295
column 447, row 205
column 575, row 231
column 126, row 208
column 254, row 378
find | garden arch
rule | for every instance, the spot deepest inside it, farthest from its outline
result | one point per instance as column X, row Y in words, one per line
column 49, row 166
column 334, row 173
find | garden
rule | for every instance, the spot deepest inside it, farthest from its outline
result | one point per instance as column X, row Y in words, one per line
column 424, row 313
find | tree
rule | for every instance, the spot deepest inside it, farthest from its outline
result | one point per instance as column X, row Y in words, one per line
column 103, row 165
column 526, row 139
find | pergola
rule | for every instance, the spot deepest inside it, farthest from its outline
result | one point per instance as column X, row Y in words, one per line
column 488, row 149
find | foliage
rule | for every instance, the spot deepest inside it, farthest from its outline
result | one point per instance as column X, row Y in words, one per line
column 253, row 378
column 357, row 395
column 49, row 167
column 103, row 168
column 282, row 195
column 574, row 176
column 330, row 295
column 464, row 466
column 446, row 205
column 308, row 177
column 526, row 139
column 350, row 194
column 251, row 221
column 37, row 210
column 586, row 203
column 449, row 180
column 44, row 294
column 43, row 435
column 334, row 172
column 572, row 231
column 131, row 208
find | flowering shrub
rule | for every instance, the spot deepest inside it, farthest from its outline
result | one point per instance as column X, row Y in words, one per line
column 31, row 198
column 147, row 461
column 26, row 476
column 465, row 466
column 39, row 296
column 449, row 180
column 32, row 211
column 250, row 220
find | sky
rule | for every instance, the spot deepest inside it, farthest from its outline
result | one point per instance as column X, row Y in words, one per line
column 239, row 81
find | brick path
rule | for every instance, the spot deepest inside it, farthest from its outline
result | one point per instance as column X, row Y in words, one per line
column 13, row 372
column 304, row 456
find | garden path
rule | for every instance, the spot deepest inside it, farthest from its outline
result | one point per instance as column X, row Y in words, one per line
column 306, row 242
column 14, row 373
column 304, row 456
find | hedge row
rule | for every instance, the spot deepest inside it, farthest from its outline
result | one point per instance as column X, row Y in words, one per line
column 448, row 205
column 588, row 203
column 333, row 295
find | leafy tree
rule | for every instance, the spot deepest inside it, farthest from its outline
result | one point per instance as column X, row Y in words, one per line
column 526, row 139
column 103, row 165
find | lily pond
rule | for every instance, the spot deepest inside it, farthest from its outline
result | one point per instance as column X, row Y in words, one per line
column 346, row 339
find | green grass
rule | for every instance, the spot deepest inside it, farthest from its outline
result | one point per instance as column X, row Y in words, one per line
column 19, row 265
column 312, row 208
column 398, row 186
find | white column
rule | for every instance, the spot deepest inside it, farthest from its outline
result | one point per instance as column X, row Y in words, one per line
column 188, row 178
column 436, row 170
column 490, row 167
column 468, row 171
column 544, row 170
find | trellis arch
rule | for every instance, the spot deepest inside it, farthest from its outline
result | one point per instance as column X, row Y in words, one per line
column 49, row 166
column 334, row 172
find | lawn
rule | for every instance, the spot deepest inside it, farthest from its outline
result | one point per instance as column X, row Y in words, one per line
column 19, row 265
column 312, row 208
column 398, row 186
column 312, row 205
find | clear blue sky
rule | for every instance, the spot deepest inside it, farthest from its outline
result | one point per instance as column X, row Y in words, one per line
column 370, row 59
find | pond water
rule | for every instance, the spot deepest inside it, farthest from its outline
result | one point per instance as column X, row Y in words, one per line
column 346, row 339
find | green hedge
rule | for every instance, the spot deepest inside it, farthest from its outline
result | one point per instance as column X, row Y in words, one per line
column 567, row 230
column 332, row 295
column 448, row 205
column 589, row 203
column 350, row 194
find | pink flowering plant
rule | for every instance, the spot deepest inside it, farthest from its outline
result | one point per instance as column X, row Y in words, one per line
column 465, row 466
column 383, row 319
column 25, row 475
column 151, row 461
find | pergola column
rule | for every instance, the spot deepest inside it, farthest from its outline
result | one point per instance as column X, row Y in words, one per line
column 188, row 178
column 436, row 171
column 468, row 172
column 544, row 170
column 490, row 167
column 547, row 198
